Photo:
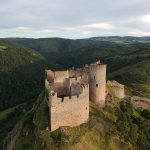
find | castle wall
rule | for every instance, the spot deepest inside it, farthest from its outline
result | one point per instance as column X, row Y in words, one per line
column 117, row 88
column 119, row 92
column 75, row 72
column 76, row 90
column 85, row 76
column 97, row 83
column 72, row 73
column 69, row 111
column 75, row 86
column 79, row 72
column 62, row 87
column 61, row 75
column 50, row 75
column 70, row 91
column 75, row 80
column 84, row 79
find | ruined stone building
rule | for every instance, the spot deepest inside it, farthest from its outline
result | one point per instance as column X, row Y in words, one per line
column 116, row 88
column 69, row 92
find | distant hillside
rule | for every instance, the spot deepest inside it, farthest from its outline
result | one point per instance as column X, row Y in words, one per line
column 21, row 81
column 136, row 76
column 21, row 74
column 117, row 52
column 126, row 39
column 66, row 52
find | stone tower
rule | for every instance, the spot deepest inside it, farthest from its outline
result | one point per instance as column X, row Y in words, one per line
column 97, row 83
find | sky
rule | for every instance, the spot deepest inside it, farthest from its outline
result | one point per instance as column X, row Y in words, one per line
column 74, row 18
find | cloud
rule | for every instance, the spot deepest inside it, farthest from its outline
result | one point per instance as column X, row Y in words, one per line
column 23, row 28
column 97, row 26
column 146, row 18
column 73, row 18
column 46, row 31
column 86, row 32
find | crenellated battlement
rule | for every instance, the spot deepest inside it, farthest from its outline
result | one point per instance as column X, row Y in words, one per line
column 55, row 100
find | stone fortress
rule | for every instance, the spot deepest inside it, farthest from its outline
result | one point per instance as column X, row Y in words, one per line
column 68, row 93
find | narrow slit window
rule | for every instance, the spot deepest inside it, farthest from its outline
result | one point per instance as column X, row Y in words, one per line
column 62, row 99
column 96, row 85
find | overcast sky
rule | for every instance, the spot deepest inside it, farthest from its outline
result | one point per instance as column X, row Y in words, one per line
column 74, row 18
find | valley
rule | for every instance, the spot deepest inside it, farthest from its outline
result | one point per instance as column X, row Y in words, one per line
column 22, row 73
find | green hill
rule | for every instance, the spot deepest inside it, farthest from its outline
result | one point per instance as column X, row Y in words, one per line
column 119, row 56
column 21, row 81
column 136, row 76
column 21, row 74
column 117, row 126
column 66, row 52
column 22, row 65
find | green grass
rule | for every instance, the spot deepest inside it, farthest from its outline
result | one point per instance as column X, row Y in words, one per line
column 109, row 128
column 22, row 79
column 2, row 48
column 6, row 112
column 142, row 90
column 136, row 77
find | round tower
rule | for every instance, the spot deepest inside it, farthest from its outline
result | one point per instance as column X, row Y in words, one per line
column 97, row 83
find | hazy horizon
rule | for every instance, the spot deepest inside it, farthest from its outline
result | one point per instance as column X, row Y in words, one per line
column 75, row 38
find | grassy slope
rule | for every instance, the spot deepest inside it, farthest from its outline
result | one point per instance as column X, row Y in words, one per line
column 116, row 127
column 136, row 76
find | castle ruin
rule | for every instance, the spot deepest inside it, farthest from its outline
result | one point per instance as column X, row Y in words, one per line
column 116, row 88
column 69, row 92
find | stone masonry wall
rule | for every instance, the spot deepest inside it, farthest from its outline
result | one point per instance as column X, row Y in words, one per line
column 62, row 87
column 69, row 111
column 61, row 75
column 117, row 88
column 50, row 75
column 70, row 92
